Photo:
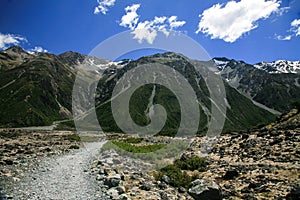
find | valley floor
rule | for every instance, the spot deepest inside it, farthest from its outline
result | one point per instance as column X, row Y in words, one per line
column 257, row 164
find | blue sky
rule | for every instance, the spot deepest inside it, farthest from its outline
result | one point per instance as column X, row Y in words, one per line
column 249, row 30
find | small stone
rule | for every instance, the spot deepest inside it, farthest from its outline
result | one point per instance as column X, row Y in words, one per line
column 230, row 175
column 166, row 179
column 121, row 189
column 181, row 190
column 145, row 186
column 123, row 197
column 113, row 193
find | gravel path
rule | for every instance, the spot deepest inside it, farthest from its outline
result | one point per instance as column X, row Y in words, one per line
column 62, row 177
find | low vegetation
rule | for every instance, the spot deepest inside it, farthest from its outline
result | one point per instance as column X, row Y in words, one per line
column 138, row 149
column 194, row 163
column 177, row 174
column 72, row 137
column 159, row 154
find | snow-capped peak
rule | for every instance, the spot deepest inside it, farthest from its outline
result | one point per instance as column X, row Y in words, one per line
column 280, row 66
column 221, row 63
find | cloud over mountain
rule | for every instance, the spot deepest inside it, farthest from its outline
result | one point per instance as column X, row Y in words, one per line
column 147, row 30
column 10, row 39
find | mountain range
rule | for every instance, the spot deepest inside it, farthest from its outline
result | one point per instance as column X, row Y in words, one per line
column 36, row 89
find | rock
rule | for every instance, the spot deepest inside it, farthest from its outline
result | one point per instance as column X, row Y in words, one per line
column 162, row 186
column 166, row 179
column 8, row 161
column 112, row 181
column 230, row 175
column 205, row 190
column 294, row 193
column 99, row 177
column 116, row 161
column 113, row 193
column 145, row 186
column 181, row 190
column 123, row 197
column 121, row 189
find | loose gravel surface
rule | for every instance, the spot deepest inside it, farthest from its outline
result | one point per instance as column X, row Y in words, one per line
column 61, row 177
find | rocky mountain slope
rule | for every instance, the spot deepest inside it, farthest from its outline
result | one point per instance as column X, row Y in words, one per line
column 36, row 89
column 241, row 112
column 280, row 66
column 275, row 85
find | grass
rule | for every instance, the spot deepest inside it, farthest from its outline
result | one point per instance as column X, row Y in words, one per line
column 138, row 149
column 66, row 125
column 72, row 137
column 158, row 154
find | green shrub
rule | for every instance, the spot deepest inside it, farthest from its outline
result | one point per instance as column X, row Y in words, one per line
column 178, row 177
column 194, row 163
column 72, row 137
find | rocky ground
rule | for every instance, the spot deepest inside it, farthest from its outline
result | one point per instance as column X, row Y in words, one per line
column 27, row 153
column 258, row 164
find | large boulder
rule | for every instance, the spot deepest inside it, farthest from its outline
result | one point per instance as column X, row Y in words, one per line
column 205, row 190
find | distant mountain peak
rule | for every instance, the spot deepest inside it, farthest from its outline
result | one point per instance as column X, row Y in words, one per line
column 15, row 49
column 275, row 67
column 280, row 67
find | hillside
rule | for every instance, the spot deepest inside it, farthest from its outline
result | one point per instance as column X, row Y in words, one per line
column 36, row 90
column 241, row 112
column 275, row 85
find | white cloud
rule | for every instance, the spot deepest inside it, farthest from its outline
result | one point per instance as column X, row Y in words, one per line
column 295, row 27
column 284, row 38
column 174, row 23
column 103, row 6
column 10, row 39
column 147, row 30
column 283, row 10
column 131, row 18
column 294, row 30
column 231, row 21
column 296, row 22
column 39, row 49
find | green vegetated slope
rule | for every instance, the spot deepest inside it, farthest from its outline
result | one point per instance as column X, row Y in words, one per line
column 36, row 92
column 241, row 113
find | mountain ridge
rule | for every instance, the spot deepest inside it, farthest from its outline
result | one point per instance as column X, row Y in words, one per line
column 58, row 72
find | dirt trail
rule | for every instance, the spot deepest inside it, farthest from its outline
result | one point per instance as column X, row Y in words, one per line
column 62, row 177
